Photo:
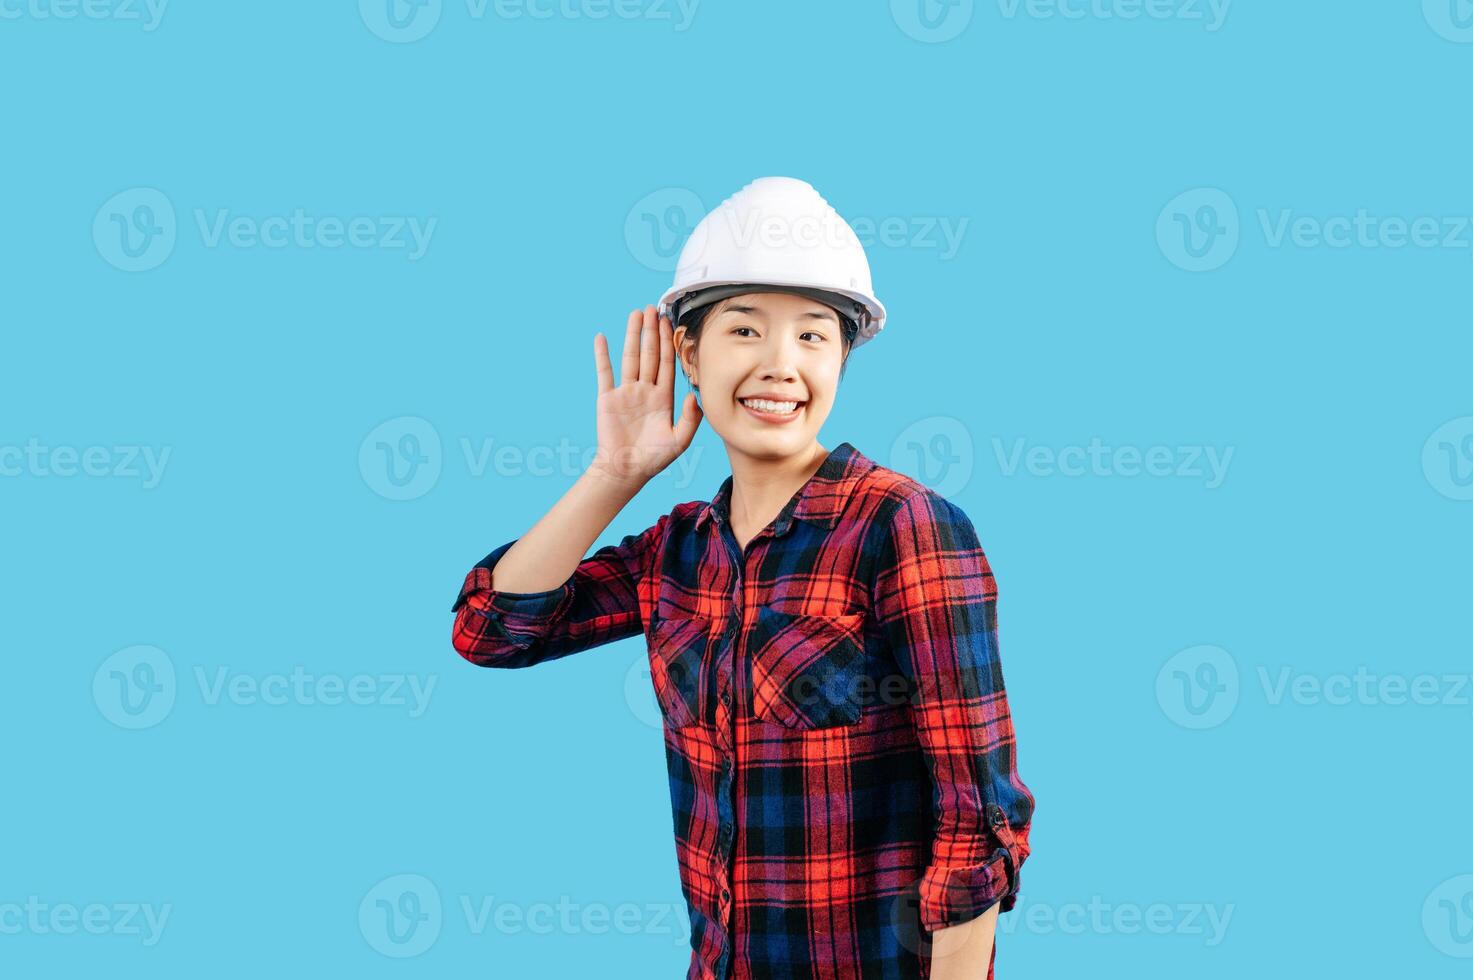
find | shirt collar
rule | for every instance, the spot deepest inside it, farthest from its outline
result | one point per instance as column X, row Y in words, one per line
column 820, row 501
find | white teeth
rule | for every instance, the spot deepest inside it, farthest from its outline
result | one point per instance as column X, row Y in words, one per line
column 776, row 408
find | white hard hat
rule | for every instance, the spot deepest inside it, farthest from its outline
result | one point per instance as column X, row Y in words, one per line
column 777, row 231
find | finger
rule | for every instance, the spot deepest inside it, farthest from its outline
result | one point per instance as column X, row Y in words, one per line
column 630, row 359
column 665, row 375
column 649, row 346
column 601, row 364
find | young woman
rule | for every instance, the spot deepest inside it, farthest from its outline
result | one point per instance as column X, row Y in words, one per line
column 822, row 633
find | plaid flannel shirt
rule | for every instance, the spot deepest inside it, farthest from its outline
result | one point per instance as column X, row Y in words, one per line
column 840, row 751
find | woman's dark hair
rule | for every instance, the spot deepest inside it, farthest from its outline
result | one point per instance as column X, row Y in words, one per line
column 695, row 319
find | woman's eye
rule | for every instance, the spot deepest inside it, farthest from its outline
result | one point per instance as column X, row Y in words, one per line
column 818, row 337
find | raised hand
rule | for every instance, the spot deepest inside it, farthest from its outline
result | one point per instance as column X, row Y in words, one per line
column 636, row 439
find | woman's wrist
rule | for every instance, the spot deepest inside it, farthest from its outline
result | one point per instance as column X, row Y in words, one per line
column 608, row 478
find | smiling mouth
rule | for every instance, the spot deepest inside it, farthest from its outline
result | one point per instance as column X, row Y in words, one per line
column 773, row 411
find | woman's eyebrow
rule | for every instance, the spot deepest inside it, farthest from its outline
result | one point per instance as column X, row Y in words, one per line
column 827, row 315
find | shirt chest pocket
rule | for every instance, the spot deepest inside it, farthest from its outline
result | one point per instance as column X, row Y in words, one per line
column 677, row 668
column 807, row 670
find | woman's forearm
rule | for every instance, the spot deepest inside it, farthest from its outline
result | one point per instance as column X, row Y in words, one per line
column 548, row 554
column 964, row 951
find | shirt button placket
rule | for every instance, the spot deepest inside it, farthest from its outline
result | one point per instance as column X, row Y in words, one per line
column 727, row 739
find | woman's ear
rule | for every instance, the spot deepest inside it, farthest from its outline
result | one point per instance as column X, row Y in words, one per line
column 685, row 354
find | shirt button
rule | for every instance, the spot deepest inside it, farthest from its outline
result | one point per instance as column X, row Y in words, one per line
column 726, row 696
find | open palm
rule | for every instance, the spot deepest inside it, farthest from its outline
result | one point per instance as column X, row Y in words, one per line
column 636, row 439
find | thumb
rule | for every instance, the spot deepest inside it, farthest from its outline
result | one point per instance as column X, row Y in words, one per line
column 690, row 420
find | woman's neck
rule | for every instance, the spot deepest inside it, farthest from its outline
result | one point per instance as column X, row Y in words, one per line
column 760, row 488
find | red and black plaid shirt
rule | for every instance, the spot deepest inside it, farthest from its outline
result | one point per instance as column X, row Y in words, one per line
column 841, row 756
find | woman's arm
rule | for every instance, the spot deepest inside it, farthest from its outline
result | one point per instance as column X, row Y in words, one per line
column 935, row 600
column 547, row 555
column 635, row 442
column 965, row 951
column 536, row 597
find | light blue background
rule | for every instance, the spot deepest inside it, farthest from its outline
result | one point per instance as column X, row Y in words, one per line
column 1337, row 539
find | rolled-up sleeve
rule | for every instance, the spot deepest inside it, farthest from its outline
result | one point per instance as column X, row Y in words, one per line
column 599, row 603
column 935, row 601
